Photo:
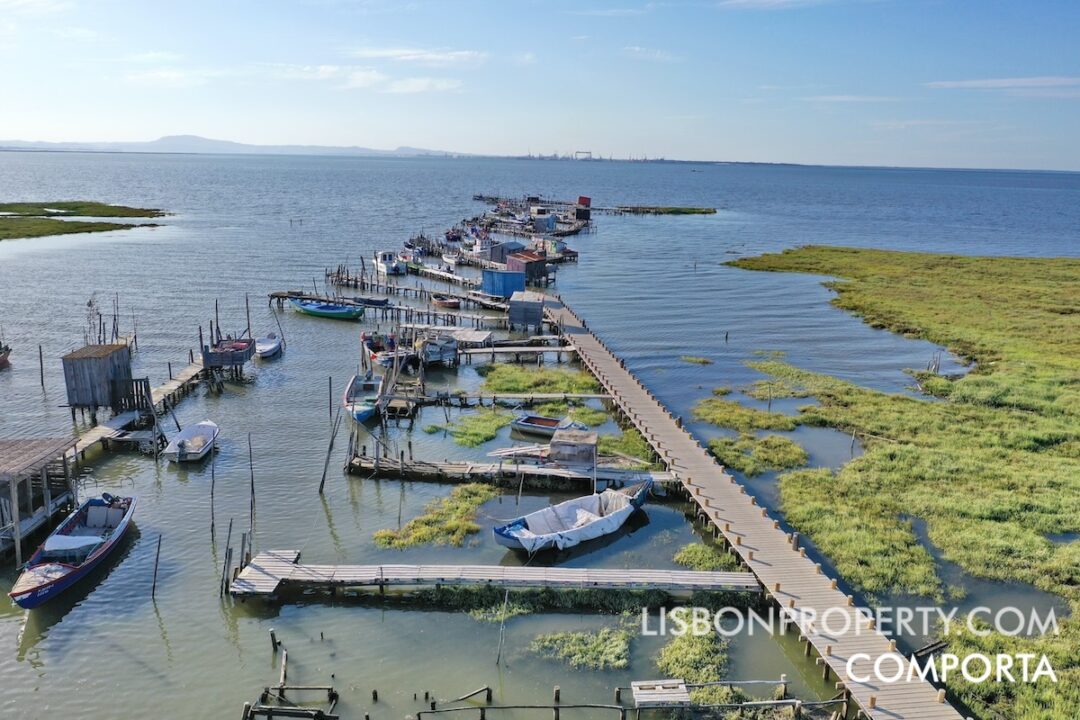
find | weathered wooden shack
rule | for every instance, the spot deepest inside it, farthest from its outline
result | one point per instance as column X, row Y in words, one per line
column 526, row 309
column 98, row 376
column 576, row 447
column 530, row 262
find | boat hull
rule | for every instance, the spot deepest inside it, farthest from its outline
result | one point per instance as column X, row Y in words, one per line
column 35, row 597
column 342, row 312
column 267, row 348
column 174, row 453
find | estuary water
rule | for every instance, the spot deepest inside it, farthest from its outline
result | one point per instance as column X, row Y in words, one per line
column 654, row 288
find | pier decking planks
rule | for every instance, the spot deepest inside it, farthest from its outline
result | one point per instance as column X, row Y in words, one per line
column 792, row 579
column 267, row 571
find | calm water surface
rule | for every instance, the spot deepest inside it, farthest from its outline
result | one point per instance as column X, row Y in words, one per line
column 654, row 288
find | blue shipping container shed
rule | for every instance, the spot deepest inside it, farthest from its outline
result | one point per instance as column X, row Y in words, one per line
column 502, row 283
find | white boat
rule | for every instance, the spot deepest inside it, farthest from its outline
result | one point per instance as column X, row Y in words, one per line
column 361, row 398
column 451, row 258
column 269, row 346
column 193, row 442
column 387, row 263
column 574, row 521
column 437, row 349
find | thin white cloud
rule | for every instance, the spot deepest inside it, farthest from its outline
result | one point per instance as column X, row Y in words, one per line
column 408, row 86
column 851, row 99
column 925, row 123
column 154, row 57
column 80, row 34
column 364, row 78
column 33, row 6
column 644, row 53
column 437, row 57
column 613, row 12
column 1042, row 81
column 525, row 58
column 168, row 78
column 767, row 4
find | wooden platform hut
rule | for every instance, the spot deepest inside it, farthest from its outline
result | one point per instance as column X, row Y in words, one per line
column 35, row 483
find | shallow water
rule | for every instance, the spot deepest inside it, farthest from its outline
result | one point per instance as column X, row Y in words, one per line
column 653, row 287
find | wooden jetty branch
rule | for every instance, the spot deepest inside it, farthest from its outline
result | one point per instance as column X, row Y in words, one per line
column 270, row 570
column 790, row 578
column 497, row 473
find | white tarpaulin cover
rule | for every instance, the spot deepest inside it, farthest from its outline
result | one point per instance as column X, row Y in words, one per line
column 70, row 542
column 574, row 521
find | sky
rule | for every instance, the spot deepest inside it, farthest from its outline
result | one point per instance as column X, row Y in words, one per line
column 933, row 83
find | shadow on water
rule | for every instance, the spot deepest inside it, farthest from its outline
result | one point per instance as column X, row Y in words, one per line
column 41, row 620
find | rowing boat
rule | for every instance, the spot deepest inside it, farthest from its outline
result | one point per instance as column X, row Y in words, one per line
column 318, row 308
column 361, row 398
column 544, row 426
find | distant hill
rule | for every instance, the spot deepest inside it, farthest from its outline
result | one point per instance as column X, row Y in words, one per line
column 208, row 146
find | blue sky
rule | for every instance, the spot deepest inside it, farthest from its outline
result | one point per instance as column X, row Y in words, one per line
column 960, row 83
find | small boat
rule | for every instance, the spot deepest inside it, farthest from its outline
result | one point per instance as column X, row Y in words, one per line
column 546, row 426
column 269, row 346
column 361, row 398
column 437, row 349
column 370, row 301
column 193, row 442
column 387, row 263
column 318, row 308
column 574, row 521
column 451, row 258
column 382, row 349
column 445, row 301
column 72, row 550
column 5, row 352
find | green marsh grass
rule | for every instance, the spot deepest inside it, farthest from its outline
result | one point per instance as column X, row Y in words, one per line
column 992, row 468
column 446, row 521
column 752, row 455
column 474, row 429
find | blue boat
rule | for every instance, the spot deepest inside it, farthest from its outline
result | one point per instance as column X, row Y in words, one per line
column 73, row 549
column 319, row 308
column 361, row 398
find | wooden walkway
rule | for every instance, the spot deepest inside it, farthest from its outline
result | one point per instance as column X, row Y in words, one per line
column 268, row 571
column 510, row 472
column 793, row 580
column 117, row 426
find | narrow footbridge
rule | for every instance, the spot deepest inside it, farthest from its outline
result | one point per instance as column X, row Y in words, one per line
column 270, row 571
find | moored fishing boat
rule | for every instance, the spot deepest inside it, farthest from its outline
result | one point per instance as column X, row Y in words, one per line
column 451, row 258
column 5, row 352
column 73, row 549
column 544, row 426
column 574, row 521
column 193, row 442
column 269, row 346
column 445, row 301
column 336, row 311
column 361, row 398
column 387, row 263
column 382, row 349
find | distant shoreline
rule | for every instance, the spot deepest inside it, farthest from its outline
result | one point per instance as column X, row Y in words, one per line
column 390, row 155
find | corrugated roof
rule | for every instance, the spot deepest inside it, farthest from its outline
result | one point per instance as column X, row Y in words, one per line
column 94, row 351
column 528, row 256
